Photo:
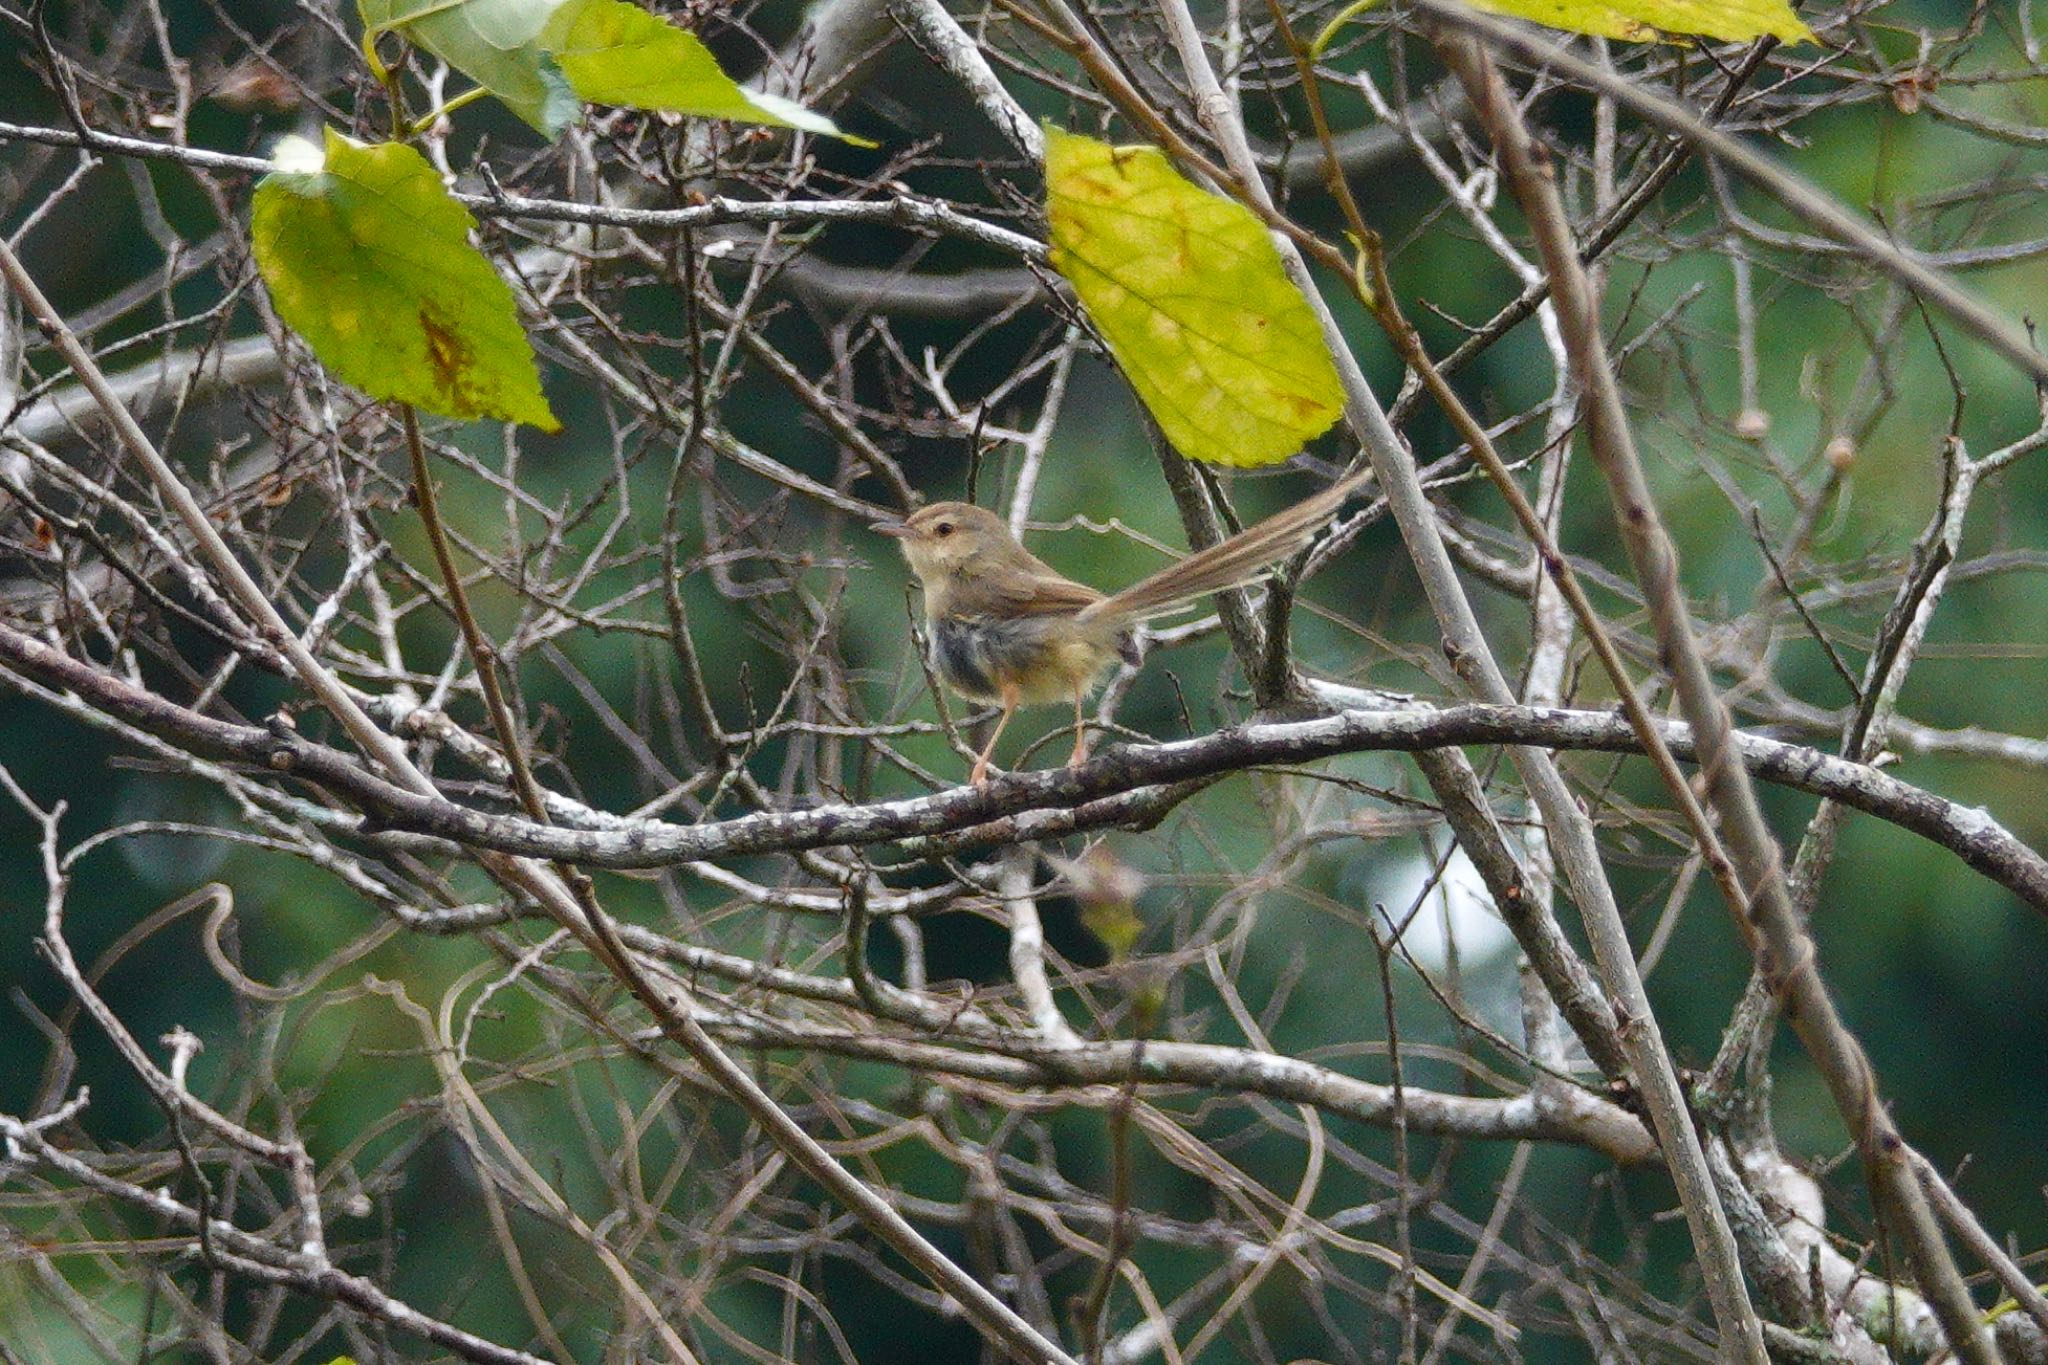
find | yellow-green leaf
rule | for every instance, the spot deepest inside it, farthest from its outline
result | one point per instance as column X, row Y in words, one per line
column 1188, row 291
column 1647, row 20
column 368, row 258
column 1637, row 21
column 614, row 52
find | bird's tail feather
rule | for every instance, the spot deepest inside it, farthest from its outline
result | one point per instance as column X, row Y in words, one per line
column 1228, row 564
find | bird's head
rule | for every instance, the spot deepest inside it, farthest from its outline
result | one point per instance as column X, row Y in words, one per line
column 947, row 539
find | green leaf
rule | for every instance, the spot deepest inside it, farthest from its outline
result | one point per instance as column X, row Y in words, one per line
column 495, row 43
column 1188, row 291
column 368, row 257
column 614, row 52
column 544, row 58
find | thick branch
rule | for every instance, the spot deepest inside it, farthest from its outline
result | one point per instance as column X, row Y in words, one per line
column 1969, row 833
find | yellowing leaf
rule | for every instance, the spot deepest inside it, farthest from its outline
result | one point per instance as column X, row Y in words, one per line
column 1188, row 291
column 614, row 52
column 495, row 43
column 368, row 258
column 1647, row 20
column 1636, row 21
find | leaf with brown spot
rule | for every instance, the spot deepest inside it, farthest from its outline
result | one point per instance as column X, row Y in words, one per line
column 369, row 258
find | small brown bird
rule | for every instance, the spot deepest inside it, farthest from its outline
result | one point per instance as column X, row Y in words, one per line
column 1006, row 627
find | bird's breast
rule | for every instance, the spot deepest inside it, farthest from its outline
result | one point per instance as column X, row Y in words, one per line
column 1043, row 658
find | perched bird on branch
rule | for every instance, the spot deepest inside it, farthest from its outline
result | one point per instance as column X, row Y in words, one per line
column 1008, row 628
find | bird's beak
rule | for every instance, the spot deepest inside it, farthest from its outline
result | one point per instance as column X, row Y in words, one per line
column 895, row 530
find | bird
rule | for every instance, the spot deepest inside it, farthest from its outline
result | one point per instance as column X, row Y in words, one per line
column 1005, row 627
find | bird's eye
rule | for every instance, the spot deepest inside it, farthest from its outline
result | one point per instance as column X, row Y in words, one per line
column 944, row 528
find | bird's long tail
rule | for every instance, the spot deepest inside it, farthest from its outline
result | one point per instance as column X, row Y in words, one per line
column 1228, row 564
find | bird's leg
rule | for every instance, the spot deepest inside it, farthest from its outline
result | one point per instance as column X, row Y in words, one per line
column 979, row 777
column 1080, row 731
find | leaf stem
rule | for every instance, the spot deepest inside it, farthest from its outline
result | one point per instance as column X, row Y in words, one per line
column 461, row 101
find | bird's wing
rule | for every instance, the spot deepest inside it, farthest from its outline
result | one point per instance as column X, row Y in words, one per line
column 1044, row 593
